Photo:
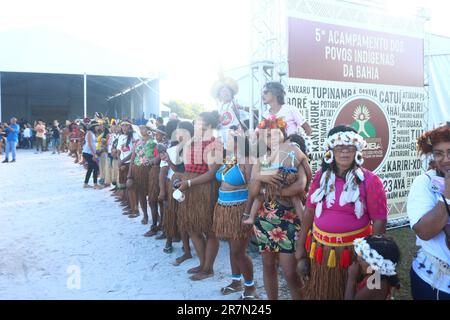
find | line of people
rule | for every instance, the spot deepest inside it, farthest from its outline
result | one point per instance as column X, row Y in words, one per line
column 326, row 231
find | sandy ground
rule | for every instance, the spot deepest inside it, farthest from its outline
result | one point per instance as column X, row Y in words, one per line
column 60, row 241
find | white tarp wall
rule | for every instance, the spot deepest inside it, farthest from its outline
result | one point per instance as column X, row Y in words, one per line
column 439, row 90
column 438, row 76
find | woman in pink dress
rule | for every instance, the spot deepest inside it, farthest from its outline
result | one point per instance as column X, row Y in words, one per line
column 339, row 211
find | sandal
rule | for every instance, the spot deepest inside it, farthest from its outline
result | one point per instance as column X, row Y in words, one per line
column 168, row 249
column 133, row 215
column 229, row 289
column 248, row 297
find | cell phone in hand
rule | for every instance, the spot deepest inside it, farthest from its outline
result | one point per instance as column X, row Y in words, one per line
column 176, row 184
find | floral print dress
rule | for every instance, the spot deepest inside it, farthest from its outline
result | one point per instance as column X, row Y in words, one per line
column 145, row 152
column 276, row 227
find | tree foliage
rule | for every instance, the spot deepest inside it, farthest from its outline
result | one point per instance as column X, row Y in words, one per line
column 185, row 109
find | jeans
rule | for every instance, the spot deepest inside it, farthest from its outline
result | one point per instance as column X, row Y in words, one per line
column 10, row 147
column 92, row 167
column 56, row 143
column 423, row 291
column 27, row 143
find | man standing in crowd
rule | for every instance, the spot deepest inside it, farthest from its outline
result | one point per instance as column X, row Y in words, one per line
column 27, row 135
column 12, row 138
column 40, row 134
column 56, row 140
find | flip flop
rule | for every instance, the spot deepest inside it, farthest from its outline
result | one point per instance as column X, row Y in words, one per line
column 248, row 297
column 168, row 249
column 229, row 290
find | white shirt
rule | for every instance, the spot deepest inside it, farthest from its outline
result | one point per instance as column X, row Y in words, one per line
column 125, row 150
column 422, row 200
column 293, row 117
column 27, row 133
column 228, row 119
column 86, row 148
column 112, row 138
column 170, row 172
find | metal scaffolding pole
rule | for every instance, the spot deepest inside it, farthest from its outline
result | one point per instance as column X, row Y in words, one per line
column 0, row 97
column 85, row 95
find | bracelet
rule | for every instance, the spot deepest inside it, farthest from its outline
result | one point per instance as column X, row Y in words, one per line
column 189, row 183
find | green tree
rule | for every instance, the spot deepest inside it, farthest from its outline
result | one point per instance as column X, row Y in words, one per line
column 185, row 109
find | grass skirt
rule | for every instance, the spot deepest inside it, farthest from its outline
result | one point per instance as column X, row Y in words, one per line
column 227, row 223
column 195, row 213
column 140, row 177
column 153, row 184
column 170, row 213
column 123, row 173
column 327, row 283
column 73, row 147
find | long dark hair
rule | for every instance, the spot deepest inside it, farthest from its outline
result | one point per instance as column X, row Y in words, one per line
column 91, row 128
column 187, row 125
column 340, row 128
column 129, row 134
column 299, row 140
column 171, row 126
column 211, row 118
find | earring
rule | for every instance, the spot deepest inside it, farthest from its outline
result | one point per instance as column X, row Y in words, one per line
column 329, row 157
column 359, row 158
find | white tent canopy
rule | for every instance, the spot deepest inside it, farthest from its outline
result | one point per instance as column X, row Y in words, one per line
column 39, row 50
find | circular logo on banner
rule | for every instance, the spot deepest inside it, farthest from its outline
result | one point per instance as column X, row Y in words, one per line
column 369, row 119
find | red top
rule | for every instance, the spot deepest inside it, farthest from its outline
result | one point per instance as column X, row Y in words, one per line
column 196, row 153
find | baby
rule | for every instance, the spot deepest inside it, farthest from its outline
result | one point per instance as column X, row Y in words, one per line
column 287, row 176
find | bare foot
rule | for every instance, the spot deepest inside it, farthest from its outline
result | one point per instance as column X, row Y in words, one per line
column 161, row 236
column 144, row 220
column 194, row 270
column 86, row 186
column 134, row 214
column 201, row 275
column 151, row 232
column 181, row 259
